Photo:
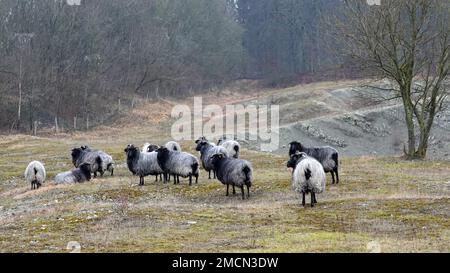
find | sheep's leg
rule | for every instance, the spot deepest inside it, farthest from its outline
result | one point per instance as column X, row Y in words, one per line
column 242, row 190
column 209, row 174
column 160, row 177
column 227, row 188
column 332, row 177
column 248, row 191
column 337, row 175
column 32, row 185
column 312, row 199
column 38, row 185
column 156, row 177
column 112, row 172
column 190, row 180
column 196, row 179
column 178, row 179
column 234, row 190
column 315, row 199
column 214, row 172
column 95, row 174
column 303, row 198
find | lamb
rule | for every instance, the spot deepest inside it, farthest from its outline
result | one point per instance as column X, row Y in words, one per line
column 207, row 150
column 79, row 175
column 235, row 172
column 173, row 146
column 86, row 155
column 107, row 160
column 308, row 176
column 233, row 147
column 147, row 148
column 35, row 174
column 326, row 155
column 178, row 164
column 142, row 164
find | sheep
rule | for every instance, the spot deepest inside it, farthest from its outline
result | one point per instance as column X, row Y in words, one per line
column 233, row 147
column 142, row 164
column 78, row 175
column 232, row 171
column 173, row 146
column 308, row 176
column 86, row 155
column 35, row 174
column 326, row 155
column 107, row 160
column 206, row 150
column 178, row 164
column 147, row 148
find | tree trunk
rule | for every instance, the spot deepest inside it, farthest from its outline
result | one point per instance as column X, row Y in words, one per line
column 19, row 110
column 409, row 118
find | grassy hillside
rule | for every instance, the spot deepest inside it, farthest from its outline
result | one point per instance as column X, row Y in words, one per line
column 398, row 205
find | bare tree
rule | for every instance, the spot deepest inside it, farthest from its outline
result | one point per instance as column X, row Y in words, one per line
column 408, row 42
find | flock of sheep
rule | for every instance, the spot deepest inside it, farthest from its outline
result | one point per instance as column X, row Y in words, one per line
column 222, row 159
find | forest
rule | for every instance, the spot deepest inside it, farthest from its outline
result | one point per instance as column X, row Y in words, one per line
column 75, row 66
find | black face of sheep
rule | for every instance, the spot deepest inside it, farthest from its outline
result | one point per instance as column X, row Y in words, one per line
column 152, row 148
column 132, row 154
column 294, row 147
column 86, row 170
column 215, row 158
column 295, row 158
column 200, row 143
column 76, row 153
column 163, row 156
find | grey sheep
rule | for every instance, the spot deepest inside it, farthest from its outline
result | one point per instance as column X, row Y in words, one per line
column 142, row 164
column 207, row 150
column 35, row 174
column 232, row 171
column 173, row 146
column 308, row 176
column 178, row 164
column 85, row 155
column 107, row 160
column 233, row 147
column 326, row 155
column 78, row 175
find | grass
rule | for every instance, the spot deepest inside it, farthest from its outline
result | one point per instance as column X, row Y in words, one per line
column 403, row 206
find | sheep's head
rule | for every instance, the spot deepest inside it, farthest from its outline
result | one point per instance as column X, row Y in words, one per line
column 152, row 147
column 162, row 149
column 130, row 150
column 216, row 158
column 294, row 147
column 85, row 147
column 200, row 143
column 76, row 153
column 295, row 158
column 86, row 170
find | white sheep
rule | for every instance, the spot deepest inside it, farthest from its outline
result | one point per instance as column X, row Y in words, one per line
column 308, row 176
column 35, row 174
column 233, row 147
